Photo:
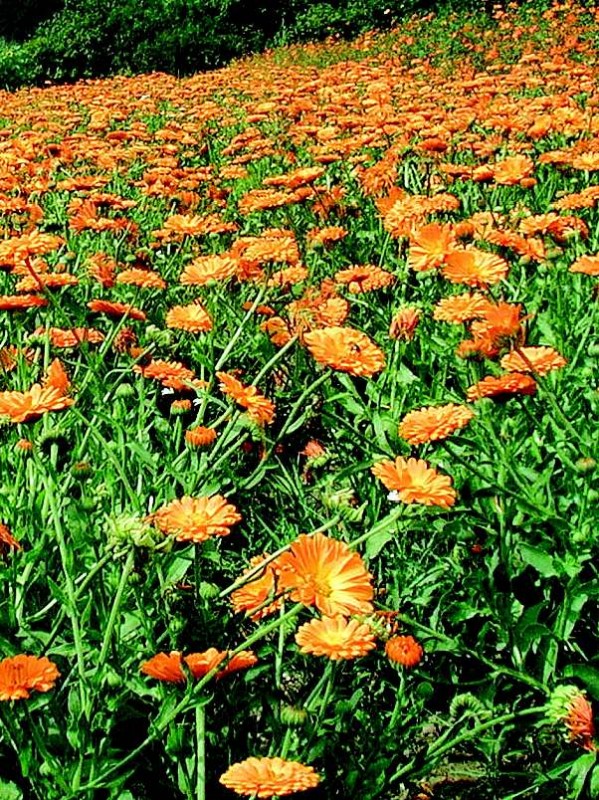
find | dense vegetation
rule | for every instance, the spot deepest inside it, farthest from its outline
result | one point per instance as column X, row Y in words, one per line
column 298, row 420
column 88, row 38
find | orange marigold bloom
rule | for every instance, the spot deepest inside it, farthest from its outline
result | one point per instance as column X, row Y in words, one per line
column 21, row 674
column 539, row 360
column 208, row 268
column 429, row 246
column 404, row 323
column 502, row 387
column 195, row 519
column 169, row 667
column 512, row 170
column 257, row 597
column 364, row 279
column 579, row 722
column 46, row 280
column 404, row 650
column 588, row 265
column 165, row 667
column 7, row 540
column 267, row 777
column 475, row 268
column 325, row 236
column 434, row 423
column 200, row 436
column 31, row 405
column 461, row 308
column 171, row 374
column 335, row 637
column 413, row 481
column 193, row 318
column 113, row 309
column 258, row 407
column 325, row 573
column 21, row 302
column 102, row 268
column 144, row 278
column 345, row 349
column 70, row 337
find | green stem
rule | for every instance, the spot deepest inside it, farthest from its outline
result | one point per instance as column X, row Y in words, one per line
column 116, row 605
column 200, row 752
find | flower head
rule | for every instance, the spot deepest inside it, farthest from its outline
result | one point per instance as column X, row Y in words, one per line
column 569, row 705
column 266, row 777
column 434, row 423
column 323, row 572
column 539, row 360
column 403, row 650
column 415, row 482
column 335, row 637
column 195, row 519
column 20, row 674
column 346, row 350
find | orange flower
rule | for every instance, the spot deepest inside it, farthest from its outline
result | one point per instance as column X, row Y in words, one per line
column 21, row 302
column 258, row 407
column 169, row 668
column 195, row 519
column 7, row 540
column 20, row 674
column 429, row 246
column 47, row 280
column 502, row 387
column 257, row 596
column 40, row 399
column 364, row 279
column 434, row 423
column 346, row 350
column 267, row 777
column 71, row 337
column 512, row 170
column 588, row 265
column 500, row 323
column 208, row 268
column 579, row 722
column 475, row 268
column 404, row 650
column 193, row 318
column 115, row 309
column 200, row 436
column 335, row 637
column 325, row 573
column 171, row 374
column 539, row 360
column 144, row 278
column 165, row 667
column 404, row 323
column 461, row 308
column 413, row 481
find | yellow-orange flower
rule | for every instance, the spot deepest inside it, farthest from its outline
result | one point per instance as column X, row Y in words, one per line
column 193, row 318
column 539, row 360
column 200, row 436
column 113, row 309
column 267, row 777
column 403, row 650
column 195, row 519
column 429, row 246
column 169, row 667
column 366, row 278
column 21, row 674
column 257, row 596
column 587, row 265
column 346, row 350
column 404, row 323
column 144, row 278
column 335, row 637
column 323, row 572
column 434, row 423
column 475, row 268
column 208, row 268
column 461, row 308
column 258, row 407
column 502, row 386
column 413, row 481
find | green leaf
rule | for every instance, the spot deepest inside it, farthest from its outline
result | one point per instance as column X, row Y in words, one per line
column 9, row 791
column 587, row 674
column 578, row 774
column 538, row 559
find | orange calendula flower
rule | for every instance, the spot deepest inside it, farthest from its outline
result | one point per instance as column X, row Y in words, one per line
column 539, row 360
column 21, row 302
column 413, row 481
column 267, row 777
column 323, row 572
column 404, row 323
column 208, row 268
column 69, row 337
column 364, row 279
column 587, row 265
column 403, row 650
column 258, row 407
column 193, row 318
column 171, row 374
column 336, row 638
column 434, row 423
column 200, row 436
column 195, row 519
column 21, row 674
column 144, row 278
column 257, row 597
column 461, row 308
column 169, row 667
column 502, row 387
column 475, row 268
column 569, row 706
column 40, row 399
column 346, row 350
column 7, row 540
column 113, row 309
column 429, row 246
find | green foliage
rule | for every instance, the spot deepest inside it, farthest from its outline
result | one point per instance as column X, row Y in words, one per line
column 18, row 64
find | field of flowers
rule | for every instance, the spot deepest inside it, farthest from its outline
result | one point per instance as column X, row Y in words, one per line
column 299, row 401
